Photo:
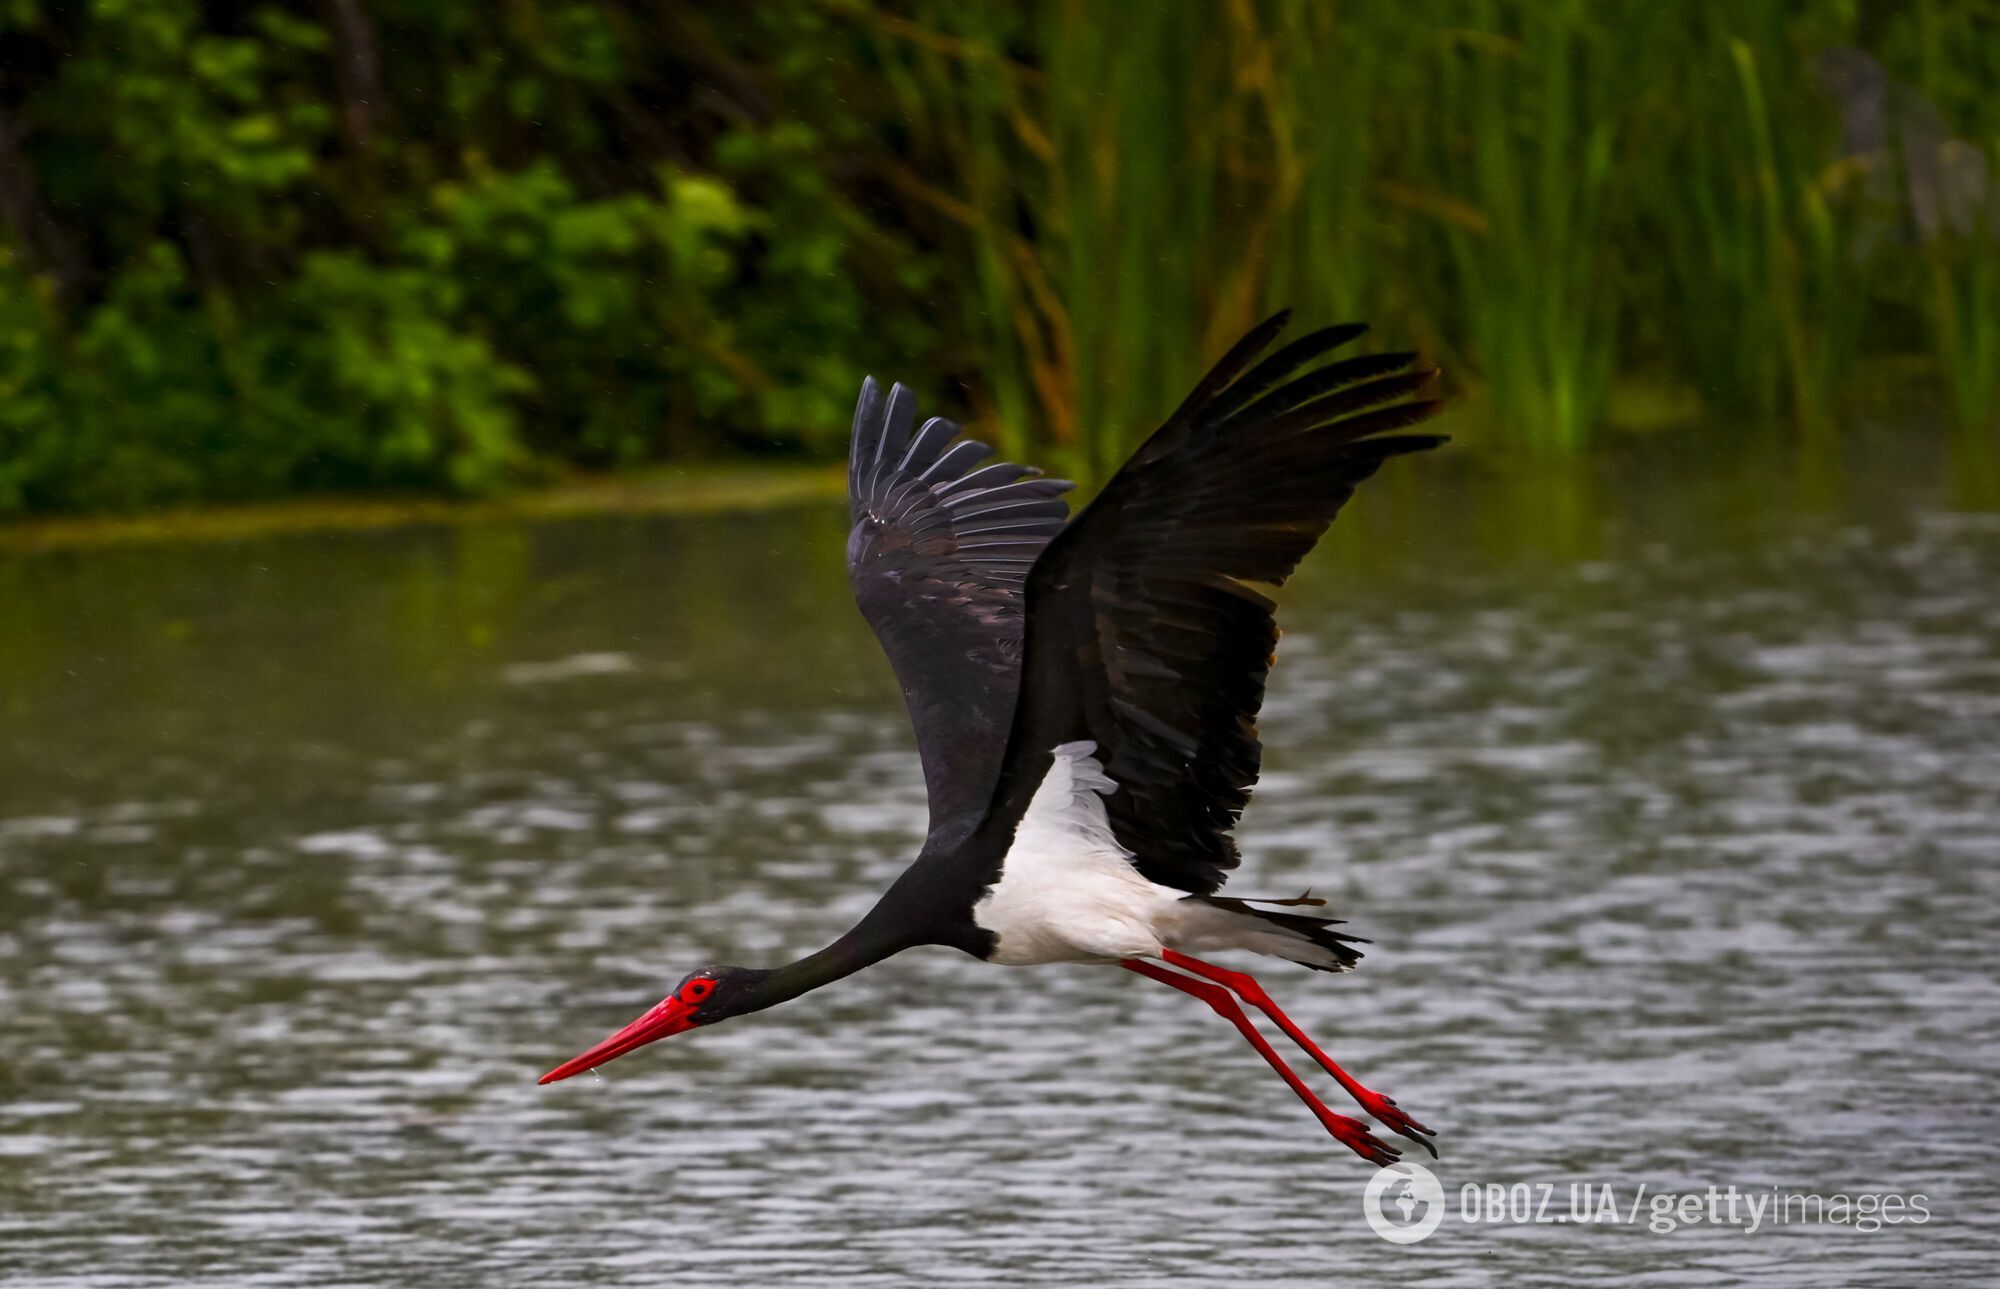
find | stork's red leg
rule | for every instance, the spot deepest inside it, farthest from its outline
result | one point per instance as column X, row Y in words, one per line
column 1351, row 1133
column 1383, row 1108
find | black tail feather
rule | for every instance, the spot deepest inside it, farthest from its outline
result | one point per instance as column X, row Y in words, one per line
column 1318, row 930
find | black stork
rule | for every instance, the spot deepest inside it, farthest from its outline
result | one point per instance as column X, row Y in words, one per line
column 1085, row 692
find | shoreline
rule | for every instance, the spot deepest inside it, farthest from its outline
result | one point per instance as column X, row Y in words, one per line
column 701, row 489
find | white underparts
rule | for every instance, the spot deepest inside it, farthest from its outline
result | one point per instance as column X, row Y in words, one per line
column 1068, row 891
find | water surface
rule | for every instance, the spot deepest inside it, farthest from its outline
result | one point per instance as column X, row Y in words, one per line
column 1670, row 799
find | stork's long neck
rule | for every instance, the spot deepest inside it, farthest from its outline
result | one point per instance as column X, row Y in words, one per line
column 917, row 909
column 928, row 904
column 782, row 984
column 870, row 941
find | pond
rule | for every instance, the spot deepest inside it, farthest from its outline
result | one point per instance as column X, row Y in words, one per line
column 1669, row 796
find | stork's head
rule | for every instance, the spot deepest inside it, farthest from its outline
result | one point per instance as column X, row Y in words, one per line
column 703, row 998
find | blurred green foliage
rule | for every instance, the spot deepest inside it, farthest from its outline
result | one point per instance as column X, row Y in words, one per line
column 252, row 249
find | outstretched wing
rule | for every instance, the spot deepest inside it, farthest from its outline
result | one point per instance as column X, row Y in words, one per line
column 938, row 555
column 1144, row 633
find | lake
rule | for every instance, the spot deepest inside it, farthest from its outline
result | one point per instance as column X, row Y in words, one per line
column 1668, row 793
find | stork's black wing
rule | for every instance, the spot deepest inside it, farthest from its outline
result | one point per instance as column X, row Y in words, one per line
column 1144, row 634
column 938, row 556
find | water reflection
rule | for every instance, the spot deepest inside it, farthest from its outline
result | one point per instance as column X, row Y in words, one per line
column 1669, row 807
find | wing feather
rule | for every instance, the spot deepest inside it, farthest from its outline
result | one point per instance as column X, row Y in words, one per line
column 1147, row 631
column 938, row 554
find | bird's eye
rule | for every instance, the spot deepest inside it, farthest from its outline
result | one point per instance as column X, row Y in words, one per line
column 696, row 990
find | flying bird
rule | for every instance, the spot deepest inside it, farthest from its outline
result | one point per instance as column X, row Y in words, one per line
column 1085, row 691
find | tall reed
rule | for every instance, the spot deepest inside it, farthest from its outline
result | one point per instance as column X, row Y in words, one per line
column 1531, row 112
column 1964, row 311
column 1546, row 193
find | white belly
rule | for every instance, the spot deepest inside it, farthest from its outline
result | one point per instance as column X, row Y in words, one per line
column 1067, row 890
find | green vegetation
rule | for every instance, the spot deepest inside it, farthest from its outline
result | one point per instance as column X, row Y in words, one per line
column 249, row 250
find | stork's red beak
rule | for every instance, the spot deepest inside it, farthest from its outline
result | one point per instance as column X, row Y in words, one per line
column 670, row 1017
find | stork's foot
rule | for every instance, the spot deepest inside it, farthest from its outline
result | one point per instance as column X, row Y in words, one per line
column 1385, row 1111
column 1354, row 1134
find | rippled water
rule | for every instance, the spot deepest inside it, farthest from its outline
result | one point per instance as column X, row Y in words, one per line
column 1671, row 801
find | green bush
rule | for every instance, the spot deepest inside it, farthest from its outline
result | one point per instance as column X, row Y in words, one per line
column 250, row 249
